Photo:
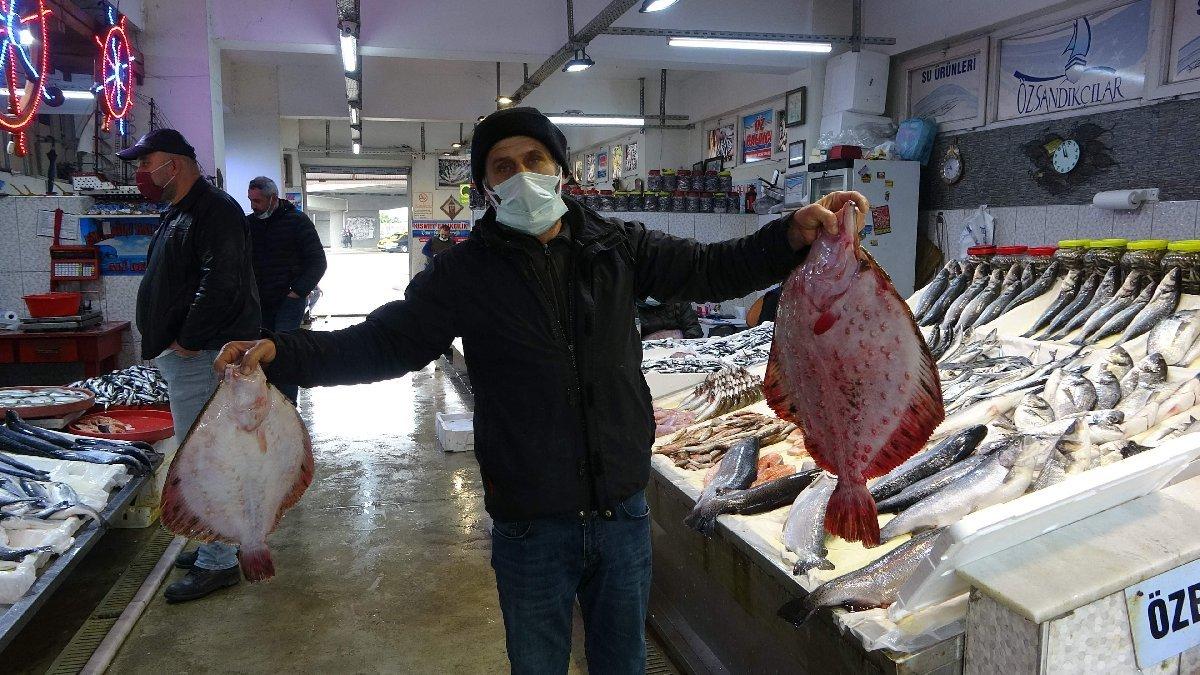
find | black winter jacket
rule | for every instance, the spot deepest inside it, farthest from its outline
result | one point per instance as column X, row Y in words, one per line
column 670, row 316
column 287, row 256
column 198, row 289
column 563, row 423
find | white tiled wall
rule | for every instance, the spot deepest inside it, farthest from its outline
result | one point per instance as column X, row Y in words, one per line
column 1046, row 225
column 25, row 264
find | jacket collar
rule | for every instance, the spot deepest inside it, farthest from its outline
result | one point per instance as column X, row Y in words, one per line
column 284, row 206
column 588, row 229
column 199, row 188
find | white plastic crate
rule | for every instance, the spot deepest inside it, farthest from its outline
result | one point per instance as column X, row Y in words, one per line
column 456, row 432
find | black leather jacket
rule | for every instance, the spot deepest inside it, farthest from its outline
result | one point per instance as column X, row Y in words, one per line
column 563, row 421
column 670, row 316
column 198, row 289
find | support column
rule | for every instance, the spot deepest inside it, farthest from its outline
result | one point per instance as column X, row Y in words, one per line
column 252, row 135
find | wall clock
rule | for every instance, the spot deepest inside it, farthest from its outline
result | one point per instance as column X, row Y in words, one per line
column 1063, row 161
column 952, row 165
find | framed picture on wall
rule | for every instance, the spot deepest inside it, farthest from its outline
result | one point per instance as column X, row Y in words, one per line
column 794, row 104
column 796, row 152
column 722, row 142
column 714, row 164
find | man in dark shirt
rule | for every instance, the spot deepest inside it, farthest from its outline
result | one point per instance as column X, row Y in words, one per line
column 663, row 319
column 197, row 294
column 288, row 259
column 542, row 294
column 442, row 241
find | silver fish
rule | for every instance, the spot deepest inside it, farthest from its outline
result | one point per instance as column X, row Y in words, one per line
column 1033, row 412
column 1174, row 336
column 1084, row 297
column 929, row 485
column 876, row 585
column 955, row 310
column 1124, row 297
column 977, row 413
column 1054, row 471
column 1038, row 288
column 1185, row 426
column 1108, row 390
column 1116, row 361
column 1070, row 288
column 804, row 531
column 974, row 308
column 1005, row 475
column 1075, row 394
column 1104, row 293
column 1122, row 319
column 736, row 471
column 954, row 290
column 1162, row 304
column 1008, row 292
column 934, row 289
column 927, row 463
column 1140, row 384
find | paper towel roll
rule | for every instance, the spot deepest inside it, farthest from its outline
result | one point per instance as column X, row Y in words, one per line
column 1118, row 199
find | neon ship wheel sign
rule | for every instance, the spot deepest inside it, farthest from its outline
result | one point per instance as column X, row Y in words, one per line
column 25, row 60
column 115, row 82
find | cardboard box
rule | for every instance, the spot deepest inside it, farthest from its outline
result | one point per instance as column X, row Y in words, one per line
column 456, row 432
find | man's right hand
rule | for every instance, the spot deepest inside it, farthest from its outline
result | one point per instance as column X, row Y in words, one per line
column 248, row 354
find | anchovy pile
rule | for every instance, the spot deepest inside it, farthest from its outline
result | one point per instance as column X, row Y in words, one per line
column 723, row 392
column 136, row 385
column 19, row 438
column 710, row 355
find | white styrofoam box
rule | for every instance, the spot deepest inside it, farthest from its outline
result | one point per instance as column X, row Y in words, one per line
column 456, row 432
column 856, row 82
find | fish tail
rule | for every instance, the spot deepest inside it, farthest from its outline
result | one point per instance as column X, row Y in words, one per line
column 851, row 514
column 256, row 562
column 797, row 611
column 702, row 519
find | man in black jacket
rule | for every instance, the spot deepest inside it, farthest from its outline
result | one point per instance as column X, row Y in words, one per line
column 542, row 294
column 288, row 259
column 656, row 317
column 197, row 294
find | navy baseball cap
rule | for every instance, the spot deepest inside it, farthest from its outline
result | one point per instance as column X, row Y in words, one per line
column 159, row 140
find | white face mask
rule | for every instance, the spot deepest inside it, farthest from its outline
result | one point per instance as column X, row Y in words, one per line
column 529, row 202
column 267, row 214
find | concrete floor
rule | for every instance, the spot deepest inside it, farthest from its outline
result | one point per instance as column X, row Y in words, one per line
column 383, row 566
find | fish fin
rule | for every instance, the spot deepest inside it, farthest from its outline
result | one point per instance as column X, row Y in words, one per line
column 775, row 390
column 256, row 562
column 797, row 611
column 304, row 479
column 851, row 514
column 824, row 322
column 925, row 412
column 178, row 517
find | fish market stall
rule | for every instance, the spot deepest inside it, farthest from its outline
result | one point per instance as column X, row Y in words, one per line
column 59, row 493
column 1067, row 391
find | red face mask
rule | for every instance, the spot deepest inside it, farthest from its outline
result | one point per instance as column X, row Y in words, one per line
column 146, row 186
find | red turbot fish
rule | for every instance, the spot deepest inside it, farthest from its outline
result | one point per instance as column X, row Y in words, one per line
column 246, row 460
column 850, row 368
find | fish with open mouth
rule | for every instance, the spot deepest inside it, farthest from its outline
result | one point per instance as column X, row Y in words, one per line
column 876, row 585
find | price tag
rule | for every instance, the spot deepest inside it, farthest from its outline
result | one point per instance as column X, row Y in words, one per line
column 1164, row 614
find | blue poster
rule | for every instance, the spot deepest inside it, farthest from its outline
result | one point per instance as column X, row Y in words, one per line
column 122, row 241
column 1091, row 60
column 757, row 133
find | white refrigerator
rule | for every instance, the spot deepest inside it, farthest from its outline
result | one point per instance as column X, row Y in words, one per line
column 890, row 235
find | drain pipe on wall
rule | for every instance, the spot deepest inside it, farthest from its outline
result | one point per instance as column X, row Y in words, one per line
column 107, row 650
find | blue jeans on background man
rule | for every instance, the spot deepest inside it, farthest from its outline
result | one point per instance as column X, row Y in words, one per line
column 288, row 317
column 543, row 565
column 190, row 383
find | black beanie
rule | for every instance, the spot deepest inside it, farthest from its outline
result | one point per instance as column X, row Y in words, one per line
column 515, row 122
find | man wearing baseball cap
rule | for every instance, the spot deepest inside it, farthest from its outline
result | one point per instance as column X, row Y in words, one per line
column 198, row 293
column 543, row 295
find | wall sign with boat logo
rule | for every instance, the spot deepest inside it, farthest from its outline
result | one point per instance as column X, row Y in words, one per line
column 949, row 90
column 1094, row 59
column 1185, row 41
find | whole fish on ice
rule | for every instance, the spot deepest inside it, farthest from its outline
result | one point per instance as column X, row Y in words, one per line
column 804, row 531
column 246, row 460
column 849, row 367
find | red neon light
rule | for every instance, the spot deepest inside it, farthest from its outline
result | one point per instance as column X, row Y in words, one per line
column 111, row 65
column 21, row 114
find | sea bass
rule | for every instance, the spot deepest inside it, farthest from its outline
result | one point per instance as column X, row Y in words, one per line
column 929, row 462
column 246, row 461
column 804, row 531
column 935, row 288
column 1039, row 287
column 876, row 585
column 849, row 367
column 736, row 471
column 1174, row 336
column 1162, row 304
column 758, row 499
column 1066, row 296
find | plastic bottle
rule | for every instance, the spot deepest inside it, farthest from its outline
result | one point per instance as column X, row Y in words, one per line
column 751, row 198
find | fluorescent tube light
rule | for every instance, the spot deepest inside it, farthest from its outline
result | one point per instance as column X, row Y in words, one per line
column 354, row 117
column 349, row 53
column 357, row 147
column 756, row 45
column 583, row 121
column 655, row 5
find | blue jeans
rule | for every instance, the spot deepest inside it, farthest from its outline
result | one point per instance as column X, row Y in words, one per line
column 190, row 383
column 542, row 566
column 288, row 317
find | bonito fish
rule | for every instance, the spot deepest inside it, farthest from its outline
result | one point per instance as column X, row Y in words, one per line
column 736, row 471
column 849, row 367
column 246, row 461
column 804, row 531
column 876, row 585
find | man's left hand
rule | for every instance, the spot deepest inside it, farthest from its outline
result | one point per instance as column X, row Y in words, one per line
column 808, row 222
column 292, row 295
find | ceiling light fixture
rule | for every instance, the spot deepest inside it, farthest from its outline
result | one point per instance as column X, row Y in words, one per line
column 655, row 5
column 754, row 45
column 504, row 100
column 580, row 62
column 349, row 47
column 597, row 121
column 354, row 116
column 357, row 147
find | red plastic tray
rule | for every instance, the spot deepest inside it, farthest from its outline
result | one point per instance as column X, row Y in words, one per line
column 148, row 425
column 53, row 410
